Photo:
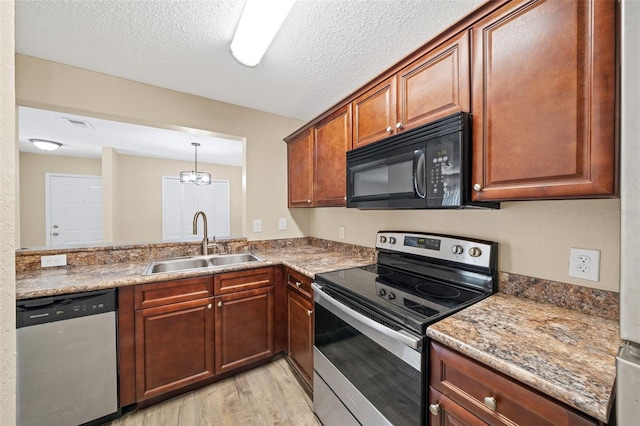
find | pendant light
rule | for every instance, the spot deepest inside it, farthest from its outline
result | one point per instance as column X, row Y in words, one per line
column 194, row 176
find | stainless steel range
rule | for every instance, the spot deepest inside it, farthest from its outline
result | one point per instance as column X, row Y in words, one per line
column 370, row 349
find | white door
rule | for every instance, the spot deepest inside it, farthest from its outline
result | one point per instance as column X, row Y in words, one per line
column 74, row 209
column 180, row 202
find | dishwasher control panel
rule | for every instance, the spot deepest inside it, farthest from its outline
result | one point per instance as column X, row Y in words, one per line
column 61, row 307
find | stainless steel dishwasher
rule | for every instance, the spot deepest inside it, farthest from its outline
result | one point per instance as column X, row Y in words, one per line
column 67, row 371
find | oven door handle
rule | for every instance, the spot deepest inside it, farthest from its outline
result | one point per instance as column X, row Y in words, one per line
column 401, row 336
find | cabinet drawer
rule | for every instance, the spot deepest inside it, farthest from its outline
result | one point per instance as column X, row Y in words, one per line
column 168, row 292
column 243, row 280
column 299, row 283
column 477, row 388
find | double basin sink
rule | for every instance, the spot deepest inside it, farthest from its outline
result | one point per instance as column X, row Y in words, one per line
column 180, row 264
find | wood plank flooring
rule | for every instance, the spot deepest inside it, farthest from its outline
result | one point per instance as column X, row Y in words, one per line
column 268, row 395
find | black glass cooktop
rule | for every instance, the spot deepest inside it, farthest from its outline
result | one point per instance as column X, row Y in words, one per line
column 414, row 300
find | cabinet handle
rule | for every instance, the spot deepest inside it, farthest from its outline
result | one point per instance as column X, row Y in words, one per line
column 399, row 126
column 209, row 306
column 434, row 409
column 491, row 403
column 477, row 187
column 389, row 129
column 309, row 313
column 298, row 284
column 220, row 304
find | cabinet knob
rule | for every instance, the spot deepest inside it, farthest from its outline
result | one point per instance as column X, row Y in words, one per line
column 309, row 313
column 389, row 129
column 434, row 409
column 298, row 284
column 491, row 403
column 209, row 306
column 477, row 187
column 399, row 126
column 220, row 304
column 308, row 201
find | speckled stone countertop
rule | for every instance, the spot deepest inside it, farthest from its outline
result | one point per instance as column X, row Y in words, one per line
column 305, row 259
column 563, row 353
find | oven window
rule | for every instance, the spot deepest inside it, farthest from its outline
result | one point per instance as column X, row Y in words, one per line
column 391, row 385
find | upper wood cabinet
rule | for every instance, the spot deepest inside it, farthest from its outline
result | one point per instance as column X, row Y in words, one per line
column 374, row 113
column 317, row 162
column 544, row 101
column 433, row 86
column 300, row 169
column 332, row 141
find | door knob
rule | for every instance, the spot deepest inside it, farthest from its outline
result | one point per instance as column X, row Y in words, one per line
column 55, row 234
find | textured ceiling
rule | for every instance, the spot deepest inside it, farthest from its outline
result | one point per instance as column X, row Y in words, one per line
column 325, row 50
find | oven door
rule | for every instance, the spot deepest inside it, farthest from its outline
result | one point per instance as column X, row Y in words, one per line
column 365, row 371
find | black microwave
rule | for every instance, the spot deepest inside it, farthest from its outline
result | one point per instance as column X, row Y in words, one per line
column 423, row 168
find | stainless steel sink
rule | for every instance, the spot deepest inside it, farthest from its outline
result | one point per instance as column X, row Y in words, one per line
column 174, row 265
column 231, row 259
column 213, row 262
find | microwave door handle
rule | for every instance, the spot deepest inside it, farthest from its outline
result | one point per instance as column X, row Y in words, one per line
column 419, row 173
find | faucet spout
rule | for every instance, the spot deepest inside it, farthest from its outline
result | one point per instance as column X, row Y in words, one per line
column 205, row 241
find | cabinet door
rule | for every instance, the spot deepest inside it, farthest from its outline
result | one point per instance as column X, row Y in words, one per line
column 300, row 169
column 444, row 412
column 374, row 113
column 436, row 85
column 544, row 101
column 244, row 328
column 332, row 141
column 174, row 346
column 300, row 332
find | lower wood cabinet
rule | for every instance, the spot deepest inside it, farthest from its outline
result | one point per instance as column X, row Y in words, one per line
column 178, row 334
column 244, row 328
column 300, row 324
column 463, row 391
column 173, row 341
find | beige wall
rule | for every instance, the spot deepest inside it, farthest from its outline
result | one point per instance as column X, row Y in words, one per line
column 48, row 85
column 140, row 204
column 33, row 168
column 534, row 236
column 8, row 154
column 134, row 209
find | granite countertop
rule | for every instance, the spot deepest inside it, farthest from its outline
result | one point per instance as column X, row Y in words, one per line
column 565, row 354
column 307, row 260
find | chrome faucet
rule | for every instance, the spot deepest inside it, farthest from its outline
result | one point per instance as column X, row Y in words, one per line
column 205, row 241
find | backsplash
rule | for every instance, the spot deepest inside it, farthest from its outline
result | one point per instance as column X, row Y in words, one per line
column 602, row 303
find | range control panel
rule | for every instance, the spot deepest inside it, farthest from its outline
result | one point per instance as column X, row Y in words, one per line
column 443, row 247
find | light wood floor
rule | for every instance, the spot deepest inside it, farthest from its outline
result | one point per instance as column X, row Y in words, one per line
column 268, row 395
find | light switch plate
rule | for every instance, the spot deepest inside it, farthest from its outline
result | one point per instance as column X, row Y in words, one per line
column 282, row 224
column 257, row 225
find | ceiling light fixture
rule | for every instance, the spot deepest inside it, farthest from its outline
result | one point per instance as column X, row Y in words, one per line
column 194, row 176
column 45, row 145
column 259, row 23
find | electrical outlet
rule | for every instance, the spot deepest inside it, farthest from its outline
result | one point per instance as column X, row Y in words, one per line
column 54, row 260
column 282, row 224
column 257, row 225
column 584, row 264
column 341, row 232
